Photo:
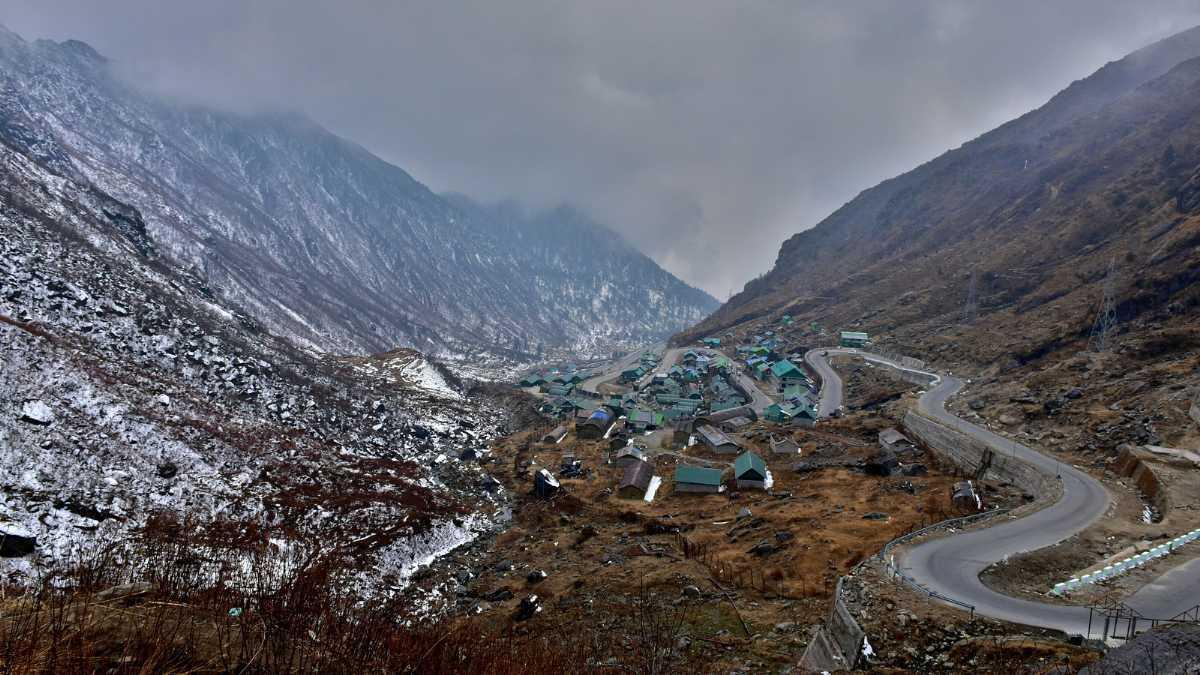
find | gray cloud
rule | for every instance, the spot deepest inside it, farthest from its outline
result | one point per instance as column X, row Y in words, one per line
column 705, row 131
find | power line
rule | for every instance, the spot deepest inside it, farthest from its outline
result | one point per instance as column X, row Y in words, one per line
column 1106, row 316
column 971, row 309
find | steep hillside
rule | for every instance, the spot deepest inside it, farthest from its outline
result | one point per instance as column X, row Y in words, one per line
column 1107, row 172
column 589, row 274
column 137, row 410
column 317, row 238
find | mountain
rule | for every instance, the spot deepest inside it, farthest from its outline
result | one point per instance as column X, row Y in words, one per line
column 324, row 242
column 600, row 287
column 140, row 412
column 1030, row 216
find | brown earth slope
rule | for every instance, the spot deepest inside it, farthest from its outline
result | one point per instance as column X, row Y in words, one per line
column 1107, row 172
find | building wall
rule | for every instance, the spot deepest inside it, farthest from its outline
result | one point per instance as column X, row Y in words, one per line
column 631, row 492
column 751, row 484
column 692, row 487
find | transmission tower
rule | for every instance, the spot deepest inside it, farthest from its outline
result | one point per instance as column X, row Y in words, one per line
column 971, row 309
column 1106, row 315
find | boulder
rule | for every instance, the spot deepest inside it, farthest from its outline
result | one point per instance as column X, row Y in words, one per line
column 1009, row 419
column 16, row 542
column 529, row 607
column 36, row 412
column 763, row 548
column 499, row 595
column 124, row 591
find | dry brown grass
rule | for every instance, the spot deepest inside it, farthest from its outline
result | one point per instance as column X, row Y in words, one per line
column 171, row 612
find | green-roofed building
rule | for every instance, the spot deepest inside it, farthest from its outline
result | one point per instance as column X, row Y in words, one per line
column 697, row 479
column 785, row 372
column 750, row 471
column 794, row 390
column 855, row 339
column 531, row 380
column 644, row 420
column 777, row 412
column 633, row 374
column 788, row 413
column 621, row 403
column 727, row 403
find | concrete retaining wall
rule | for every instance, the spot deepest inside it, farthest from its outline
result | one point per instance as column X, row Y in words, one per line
column 970, row 454
column 901, row 374
column 837, row 643
column 1132, row 464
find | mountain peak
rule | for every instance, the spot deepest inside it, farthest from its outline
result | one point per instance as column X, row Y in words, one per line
column 332, row 246
column 82, row 50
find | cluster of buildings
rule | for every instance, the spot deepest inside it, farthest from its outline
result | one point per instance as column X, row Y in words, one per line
column 556, row 382
column 645, row 365
column 750, row 472
column 798, row 398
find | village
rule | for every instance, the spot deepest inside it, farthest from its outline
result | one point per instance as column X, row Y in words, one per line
column 691, row 403
column 704, row 469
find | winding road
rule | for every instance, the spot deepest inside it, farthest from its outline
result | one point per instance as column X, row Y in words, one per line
column 951, row 565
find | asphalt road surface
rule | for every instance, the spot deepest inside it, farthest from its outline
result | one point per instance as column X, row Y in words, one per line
column 613, row 371
column 759, row 400
column 951, row 565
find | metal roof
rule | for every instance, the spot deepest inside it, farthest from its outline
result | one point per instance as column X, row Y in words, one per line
column 637, row 475
column 748, row 461
column 785, row 367
column 697, row 475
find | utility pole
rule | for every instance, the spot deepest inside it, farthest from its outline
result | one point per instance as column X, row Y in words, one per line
column 971, row 309
column 1106, row 315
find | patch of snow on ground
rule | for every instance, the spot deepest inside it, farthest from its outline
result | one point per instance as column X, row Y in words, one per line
column 421, row 373
column 650, row 491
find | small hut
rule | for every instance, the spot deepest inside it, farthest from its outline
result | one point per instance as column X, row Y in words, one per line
column 630, row 454
column 750, row 471
column 697, row 479
column 555, row 436
column 635, row 481
column 964, row 496
column 784, row 446
column 716, row 440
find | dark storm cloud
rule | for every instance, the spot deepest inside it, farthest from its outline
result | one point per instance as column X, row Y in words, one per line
column 704, row 131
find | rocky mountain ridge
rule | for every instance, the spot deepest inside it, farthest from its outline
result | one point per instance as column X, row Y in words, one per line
column 1030, row 215
column 138, row 412
column 322, row 241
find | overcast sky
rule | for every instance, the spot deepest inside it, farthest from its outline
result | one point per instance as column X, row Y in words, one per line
column 704, row 131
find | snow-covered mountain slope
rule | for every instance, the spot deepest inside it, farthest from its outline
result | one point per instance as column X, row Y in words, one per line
column 133, row 401
column 323, row 242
